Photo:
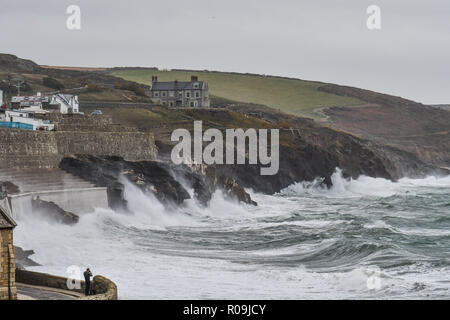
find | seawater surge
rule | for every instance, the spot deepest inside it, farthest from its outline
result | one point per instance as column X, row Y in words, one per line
column 306, row 242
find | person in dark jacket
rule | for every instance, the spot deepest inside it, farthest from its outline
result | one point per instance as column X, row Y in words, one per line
column 87, row 281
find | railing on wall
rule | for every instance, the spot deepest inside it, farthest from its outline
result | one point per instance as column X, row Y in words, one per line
column 16, row 125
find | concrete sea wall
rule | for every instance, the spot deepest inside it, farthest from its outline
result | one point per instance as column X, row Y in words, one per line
column 104, row 288
column 79, row 201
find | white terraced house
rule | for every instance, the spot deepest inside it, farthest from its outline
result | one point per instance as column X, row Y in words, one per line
column 67, row 103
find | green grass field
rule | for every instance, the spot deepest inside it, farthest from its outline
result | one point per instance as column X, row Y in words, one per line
column 292, row 96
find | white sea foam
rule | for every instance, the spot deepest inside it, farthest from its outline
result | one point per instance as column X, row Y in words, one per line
column 195, row 252
column 365, row 186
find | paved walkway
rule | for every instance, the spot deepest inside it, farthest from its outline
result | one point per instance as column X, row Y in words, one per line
column 28, row 292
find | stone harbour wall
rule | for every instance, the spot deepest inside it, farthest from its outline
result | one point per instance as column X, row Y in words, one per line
column 40, row 149
column 133, row 146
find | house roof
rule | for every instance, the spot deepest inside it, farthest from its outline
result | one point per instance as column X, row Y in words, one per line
column 65, row 97
column 6, row 222
column 29, row 99
column 177, row 85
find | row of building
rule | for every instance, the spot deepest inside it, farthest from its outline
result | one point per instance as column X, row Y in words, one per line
column 23, row 112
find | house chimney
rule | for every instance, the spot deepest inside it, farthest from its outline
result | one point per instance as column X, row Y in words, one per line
column 194, row 78
column 154, row 79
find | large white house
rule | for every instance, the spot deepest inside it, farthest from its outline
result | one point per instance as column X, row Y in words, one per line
column 67, row 103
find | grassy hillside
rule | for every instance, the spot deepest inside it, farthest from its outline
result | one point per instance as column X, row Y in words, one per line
column 97, row 85
column 292, row 96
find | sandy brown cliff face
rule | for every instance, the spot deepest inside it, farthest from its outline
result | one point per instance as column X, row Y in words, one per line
column 313, row 151
column 406, row 125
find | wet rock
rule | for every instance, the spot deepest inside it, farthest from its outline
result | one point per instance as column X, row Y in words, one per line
column 234, row 191
column 22, row 258
column 52, row 210
column 8, row 187
column 150, row 176
column 205, row 180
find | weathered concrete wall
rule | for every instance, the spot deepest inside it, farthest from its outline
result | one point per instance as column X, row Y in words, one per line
column 7, row 266
column 79, row 201
column 105, row 289
column 44, row 280
column 39, row 149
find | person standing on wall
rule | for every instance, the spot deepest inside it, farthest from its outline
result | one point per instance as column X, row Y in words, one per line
column 87, row 281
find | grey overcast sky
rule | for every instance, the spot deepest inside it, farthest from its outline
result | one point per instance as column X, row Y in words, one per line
column 324, row 40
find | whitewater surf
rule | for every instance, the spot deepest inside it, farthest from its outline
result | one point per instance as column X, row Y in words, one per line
column 363, row 238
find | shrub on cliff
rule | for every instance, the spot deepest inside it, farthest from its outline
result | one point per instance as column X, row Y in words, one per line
column 94, row 87
column 52, row 83
column 9, row 88
column 130, row 86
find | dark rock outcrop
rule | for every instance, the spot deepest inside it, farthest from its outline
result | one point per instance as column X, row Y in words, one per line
column 162, row 179
column 53, row 211
column 234, row 191
column 8, row 187
column 22, row 258
column 205, row 180
column 150, row 176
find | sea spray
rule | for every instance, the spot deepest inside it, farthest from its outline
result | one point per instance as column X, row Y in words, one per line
column 305, row 242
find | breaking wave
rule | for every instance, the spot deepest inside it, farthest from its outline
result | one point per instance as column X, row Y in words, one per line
column 305, row 242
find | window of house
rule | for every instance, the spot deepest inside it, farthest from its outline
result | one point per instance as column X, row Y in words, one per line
column 163, row 94
column 197, row 94
column 188, row 94
column 171, row 93
column 180, row 93
column 156, row 94
column 195, row 85
column 191, row 104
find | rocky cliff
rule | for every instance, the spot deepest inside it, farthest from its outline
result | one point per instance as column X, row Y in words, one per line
column 162, row 179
